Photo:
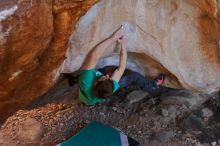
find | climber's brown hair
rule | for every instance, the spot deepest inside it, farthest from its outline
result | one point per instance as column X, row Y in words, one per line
column 104, row 88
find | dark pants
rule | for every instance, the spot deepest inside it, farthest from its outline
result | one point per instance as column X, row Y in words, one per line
column 136, row 79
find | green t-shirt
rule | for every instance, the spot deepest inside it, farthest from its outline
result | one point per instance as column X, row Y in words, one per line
column 86, row 81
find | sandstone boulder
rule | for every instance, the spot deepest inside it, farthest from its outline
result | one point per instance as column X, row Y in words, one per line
column 177, row 37
column 33, row 41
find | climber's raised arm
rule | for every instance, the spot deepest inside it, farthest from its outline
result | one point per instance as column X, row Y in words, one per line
column 123, row 59
column 96, row 53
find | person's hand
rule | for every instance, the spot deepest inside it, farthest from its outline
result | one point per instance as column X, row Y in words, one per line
column 119, row 33
column 123, row 40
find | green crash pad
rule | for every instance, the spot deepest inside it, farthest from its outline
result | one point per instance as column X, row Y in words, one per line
column 98, row 134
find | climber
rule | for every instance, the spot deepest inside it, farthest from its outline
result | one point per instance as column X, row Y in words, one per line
column 95, row 87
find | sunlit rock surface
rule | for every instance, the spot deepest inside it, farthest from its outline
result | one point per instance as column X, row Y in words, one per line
column 33, row 40
column 177, row 37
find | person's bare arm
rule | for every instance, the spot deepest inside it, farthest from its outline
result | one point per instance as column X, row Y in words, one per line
column 96, row 53
column 123, row 60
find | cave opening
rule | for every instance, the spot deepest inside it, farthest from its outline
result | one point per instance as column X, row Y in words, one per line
column 134, row 111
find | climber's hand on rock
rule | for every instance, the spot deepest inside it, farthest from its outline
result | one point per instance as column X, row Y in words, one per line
column 119, row 33
column 123, row 40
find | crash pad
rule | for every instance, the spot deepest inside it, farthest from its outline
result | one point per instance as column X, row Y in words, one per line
column 98, row 134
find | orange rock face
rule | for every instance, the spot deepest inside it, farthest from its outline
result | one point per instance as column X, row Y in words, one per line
column 176, row 37
column 33, row 41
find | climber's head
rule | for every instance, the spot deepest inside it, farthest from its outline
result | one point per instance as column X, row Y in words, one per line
column 103, row 87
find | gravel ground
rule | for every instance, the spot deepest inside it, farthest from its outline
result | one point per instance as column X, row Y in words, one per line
column 60, row 115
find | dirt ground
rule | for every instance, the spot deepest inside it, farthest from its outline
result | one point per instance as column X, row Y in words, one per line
column 149, row 119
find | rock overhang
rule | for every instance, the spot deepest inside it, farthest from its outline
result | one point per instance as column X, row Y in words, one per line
column 165, row 34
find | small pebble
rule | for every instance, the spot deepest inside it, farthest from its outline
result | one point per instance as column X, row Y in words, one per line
column 114, row 108
column 101, row 113
column 213, row 143
column 165, row 112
